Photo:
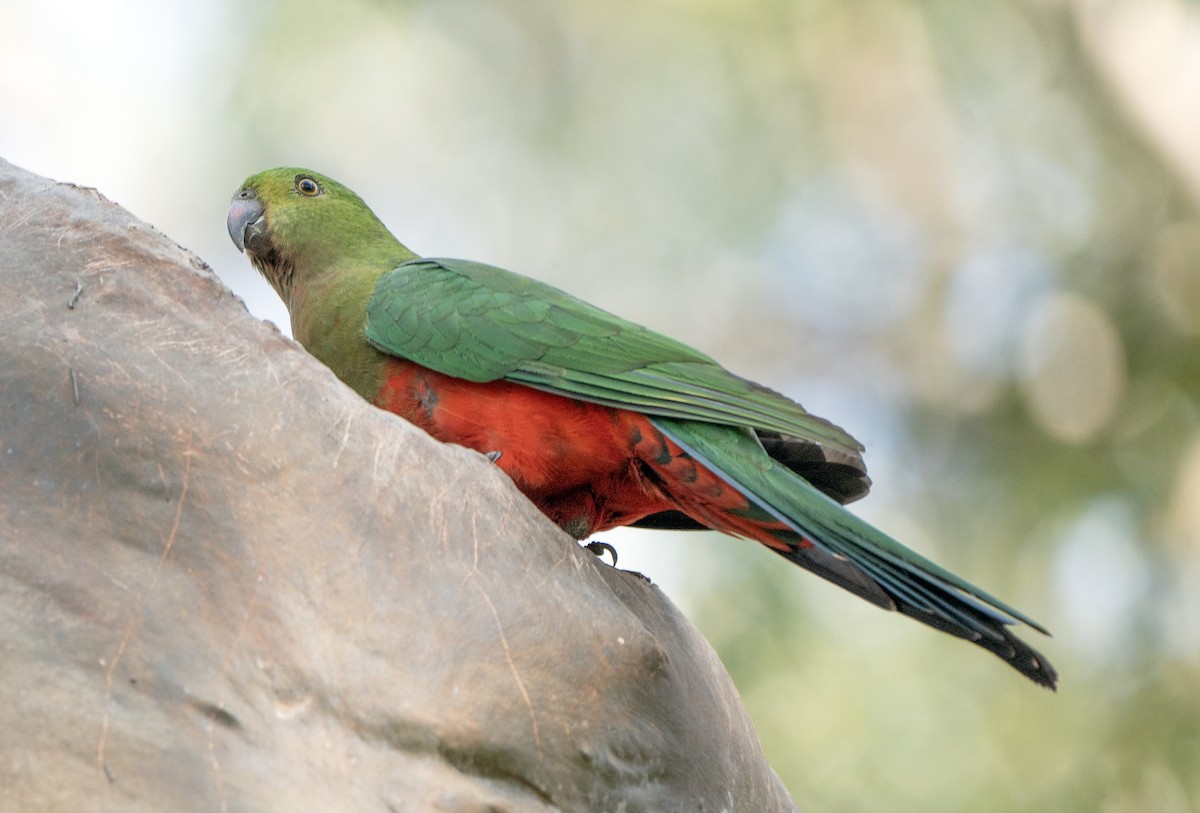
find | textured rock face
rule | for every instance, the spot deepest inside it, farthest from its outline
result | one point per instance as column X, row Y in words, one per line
column 227, row 583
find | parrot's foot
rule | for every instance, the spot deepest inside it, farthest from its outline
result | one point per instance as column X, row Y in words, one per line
column 600, row 548
column 493, row 456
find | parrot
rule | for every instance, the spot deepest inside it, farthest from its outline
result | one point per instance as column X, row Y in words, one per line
column 599, row 421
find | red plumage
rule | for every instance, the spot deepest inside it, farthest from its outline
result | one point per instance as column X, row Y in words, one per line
column 588, row 467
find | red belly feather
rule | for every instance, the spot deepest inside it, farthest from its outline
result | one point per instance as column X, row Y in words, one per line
column 588, row 467
column 571, row 458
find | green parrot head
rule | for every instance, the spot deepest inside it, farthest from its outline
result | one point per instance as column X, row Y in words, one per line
column 296, row 224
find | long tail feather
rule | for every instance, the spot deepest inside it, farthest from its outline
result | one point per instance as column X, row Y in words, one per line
column 809, row 528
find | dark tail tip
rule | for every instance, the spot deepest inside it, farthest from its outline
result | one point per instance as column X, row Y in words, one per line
column 1026, row 660
column 999, row 641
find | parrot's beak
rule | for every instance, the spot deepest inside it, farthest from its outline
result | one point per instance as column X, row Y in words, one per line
column 245, row 221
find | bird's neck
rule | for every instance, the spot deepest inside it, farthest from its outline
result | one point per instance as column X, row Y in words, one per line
column 329, row 313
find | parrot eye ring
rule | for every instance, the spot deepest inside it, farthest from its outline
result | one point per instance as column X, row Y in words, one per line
column 307, row 186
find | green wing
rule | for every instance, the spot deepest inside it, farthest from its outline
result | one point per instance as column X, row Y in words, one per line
column 482, row 323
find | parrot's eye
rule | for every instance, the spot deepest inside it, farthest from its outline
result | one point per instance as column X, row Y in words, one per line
column 307, row 186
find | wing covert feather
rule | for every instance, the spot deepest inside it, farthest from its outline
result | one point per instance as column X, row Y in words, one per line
column 482, row 323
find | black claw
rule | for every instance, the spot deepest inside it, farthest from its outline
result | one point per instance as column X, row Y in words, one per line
column 493, row 456
column 600, row 548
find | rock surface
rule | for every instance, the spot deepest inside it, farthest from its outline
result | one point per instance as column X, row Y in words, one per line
column 227, row 583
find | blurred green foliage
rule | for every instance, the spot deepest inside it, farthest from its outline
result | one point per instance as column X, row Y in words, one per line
column 941, row 224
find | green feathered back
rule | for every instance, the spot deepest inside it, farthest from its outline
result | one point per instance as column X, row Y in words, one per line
column 482, row 323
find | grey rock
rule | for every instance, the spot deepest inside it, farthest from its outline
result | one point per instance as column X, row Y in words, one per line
column 227, row 583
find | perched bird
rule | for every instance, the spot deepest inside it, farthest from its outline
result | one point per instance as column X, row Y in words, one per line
column 599, row 421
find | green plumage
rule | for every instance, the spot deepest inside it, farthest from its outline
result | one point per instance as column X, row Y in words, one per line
column 903, row 572
column 357, row 296
column 482, row 323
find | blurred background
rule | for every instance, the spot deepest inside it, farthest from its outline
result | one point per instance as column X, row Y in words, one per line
column 967, row 232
